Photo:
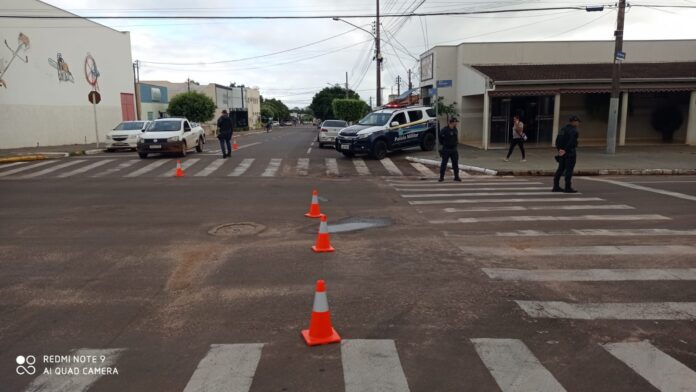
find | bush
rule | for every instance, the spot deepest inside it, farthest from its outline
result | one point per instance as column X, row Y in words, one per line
column 666, row 120
column 194, row 106
column 349, row 109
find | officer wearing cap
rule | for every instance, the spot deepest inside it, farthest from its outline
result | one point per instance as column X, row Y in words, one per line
column 566, row 143
column 450, row 140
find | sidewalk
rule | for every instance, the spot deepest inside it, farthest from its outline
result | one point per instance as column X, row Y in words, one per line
column 665, row 159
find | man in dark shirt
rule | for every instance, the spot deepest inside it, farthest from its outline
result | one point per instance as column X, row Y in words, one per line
column 566, row 143
column 449, row 140
column 224, row 124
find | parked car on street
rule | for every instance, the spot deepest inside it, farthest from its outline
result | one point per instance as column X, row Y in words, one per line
column 125, row 135
column 276, row 124
column 171, row 135
column 328, row 130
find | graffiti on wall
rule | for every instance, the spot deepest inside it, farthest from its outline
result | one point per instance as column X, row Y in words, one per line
column 22, row 46
column 62, row 67
column 92, row 72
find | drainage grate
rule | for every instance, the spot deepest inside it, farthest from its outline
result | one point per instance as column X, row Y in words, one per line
column 237, row 229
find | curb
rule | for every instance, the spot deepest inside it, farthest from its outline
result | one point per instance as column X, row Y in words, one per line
column 22, row 158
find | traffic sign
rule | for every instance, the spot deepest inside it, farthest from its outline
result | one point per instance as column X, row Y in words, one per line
column 444, row 83
column 432, row 91
column 620, row 56
column 94, row 97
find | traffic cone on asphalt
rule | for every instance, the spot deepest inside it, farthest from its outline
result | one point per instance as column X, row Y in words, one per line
column 235, row 146
column 323, row 244
column 314, row 207
column 179, row 171
column 320, row 330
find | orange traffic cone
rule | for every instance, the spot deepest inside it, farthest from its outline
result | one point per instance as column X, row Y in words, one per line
column 314, row 207
column 323, row 244
column 179, row 171
column 320, row 330
column 234, row 143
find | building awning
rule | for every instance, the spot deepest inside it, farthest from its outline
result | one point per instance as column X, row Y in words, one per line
column 547, row 91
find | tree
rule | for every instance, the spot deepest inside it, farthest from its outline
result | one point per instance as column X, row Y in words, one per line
column 449, row 110
column 349, row 109
column 322, row 102
column 275, row 106
column 194, row 106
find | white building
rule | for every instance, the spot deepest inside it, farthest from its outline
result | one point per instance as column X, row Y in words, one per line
column 545, row 82
column 49, row 70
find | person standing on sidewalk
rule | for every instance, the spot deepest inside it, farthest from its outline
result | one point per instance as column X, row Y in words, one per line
column 566, row 143
column 518, row 137
column 449, row 139
column 224, row 125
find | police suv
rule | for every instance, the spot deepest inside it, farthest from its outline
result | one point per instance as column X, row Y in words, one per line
column 389, row 129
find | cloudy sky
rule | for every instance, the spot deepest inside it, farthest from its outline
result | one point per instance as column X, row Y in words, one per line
column 292, row 59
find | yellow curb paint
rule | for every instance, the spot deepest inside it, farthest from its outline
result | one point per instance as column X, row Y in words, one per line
column 22, row 158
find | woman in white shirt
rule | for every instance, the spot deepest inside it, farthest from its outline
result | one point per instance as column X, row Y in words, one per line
column 518, row 137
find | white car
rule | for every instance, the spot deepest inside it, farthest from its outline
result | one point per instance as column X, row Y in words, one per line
column 125, row 135
column 170, row 135
column 328, row 130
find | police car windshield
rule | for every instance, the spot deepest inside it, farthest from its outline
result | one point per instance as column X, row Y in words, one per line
column 375, row 119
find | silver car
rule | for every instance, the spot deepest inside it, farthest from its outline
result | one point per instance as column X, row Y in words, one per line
column 329, row 130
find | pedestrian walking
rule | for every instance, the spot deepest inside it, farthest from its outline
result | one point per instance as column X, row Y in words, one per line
column 268, row 126
column 518, row 137
column 566, row 143
column 224, row 125
column 449, row 140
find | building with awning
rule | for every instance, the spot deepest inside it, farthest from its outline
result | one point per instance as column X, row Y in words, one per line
column 545, row 82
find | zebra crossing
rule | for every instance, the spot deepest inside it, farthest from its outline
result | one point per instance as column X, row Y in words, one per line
column 212, row 166
column 375, row 365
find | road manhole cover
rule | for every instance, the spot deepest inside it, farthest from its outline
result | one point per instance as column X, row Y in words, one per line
column 237, row 229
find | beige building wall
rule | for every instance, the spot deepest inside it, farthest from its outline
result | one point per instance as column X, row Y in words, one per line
column 252, row 96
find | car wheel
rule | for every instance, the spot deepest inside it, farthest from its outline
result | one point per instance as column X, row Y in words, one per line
column 142, row 155
column 199, row 146
column 379, row 150
column 428, row 143
column 110, row 150
column 347, row 154
column 184, row 149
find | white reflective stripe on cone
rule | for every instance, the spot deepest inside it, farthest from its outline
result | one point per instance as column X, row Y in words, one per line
column 323, row 227
column 315, row 199
column 321, row 302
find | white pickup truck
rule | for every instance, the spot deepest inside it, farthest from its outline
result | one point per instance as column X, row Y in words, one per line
column 171, row 135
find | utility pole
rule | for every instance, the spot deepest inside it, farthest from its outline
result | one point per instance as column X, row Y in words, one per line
column 398, row 85
column 346, row 84
column 136, row 83
column 378, row 58
column 616, row 81
column 410, row 85
column 370, row 103
column 188, row 85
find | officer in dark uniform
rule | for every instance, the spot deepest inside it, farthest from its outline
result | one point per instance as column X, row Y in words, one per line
column 449, row 140
column 225, row 130
column 566, row 143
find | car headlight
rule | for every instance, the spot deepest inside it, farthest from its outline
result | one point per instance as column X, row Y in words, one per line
column 363, row 135
column 108, row 137
column 173, row 139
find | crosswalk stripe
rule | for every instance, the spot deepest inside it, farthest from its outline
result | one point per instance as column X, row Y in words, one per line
column 52, row 169
column 226, row 367
column 212, row 167
column 463, row 185
column 24, row 168
column 148, row 168
column 331, row 167
column 465, row 194
column 361, row 167
column 539, row 208
column 302, row 166
column 74, row 383
column 121, row 166
column 659, row 369
column 604, row 250
column 423, row 170
column 372, row 365
column 514, row 367
column 242, row 167
column 497, row 180
column 530, row 200
column 85, row 168
column 590, row 275
column 6, row 165
column 391, row 167
column 272, row 168
column 185, row 164
column 610, row 311
column 644, row 188
column 532, row 218
column 529, row 188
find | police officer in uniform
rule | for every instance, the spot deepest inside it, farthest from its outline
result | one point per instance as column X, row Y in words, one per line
column 566, row 143
column 449, row 141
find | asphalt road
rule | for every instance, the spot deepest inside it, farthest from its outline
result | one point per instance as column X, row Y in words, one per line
column 492, row 284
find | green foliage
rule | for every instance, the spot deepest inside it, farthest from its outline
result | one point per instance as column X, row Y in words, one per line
column 274, row 108
column 322, row 106
column 194, row 106
column 448, row 110
column 349, row 109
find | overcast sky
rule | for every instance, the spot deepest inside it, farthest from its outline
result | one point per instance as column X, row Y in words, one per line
column 214, row 51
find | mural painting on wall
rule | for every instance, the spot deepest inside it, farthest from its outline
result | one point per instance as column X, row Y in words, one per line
column 22, row 46
column 91, row 72
column 59, row 64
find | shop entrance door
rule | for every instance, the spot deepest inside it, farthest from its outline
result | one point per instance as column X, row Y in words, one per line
column 535, row 112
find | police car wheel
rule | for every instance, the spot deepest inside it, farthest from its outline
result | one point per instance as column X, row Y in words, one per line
column 379, row 150
column 428, row 143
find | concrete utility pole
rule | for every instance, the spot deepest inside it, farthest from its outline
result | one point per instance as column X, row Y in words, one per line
column 370, row 102
column 616, row 81
column 378, row 58
column 188, row 85
column 410, row 85
column 136, row 82
column 346, row 84
column 398, row 85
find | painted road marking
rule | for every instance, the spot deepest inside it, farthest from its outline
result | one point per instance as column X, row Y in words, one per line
column 309, row 150
column 24, row 168
column 272, row 168
column 372, row 365
column 597, row 232
column 539, row 208
column 599, row 250
column 184, row 165
column 644, row 188
column 610, row 311
column 148, row 168
column 530, row 188
column 331, row 167
column 86, row 168
column 530, row 200
column 423, row 170
column 480, row 194
column 464, row 180
column 416, row 185
column 6, row 165
column 75, row 383
column 52, row 169
column 213, row 166
column 659, row 369
column 530, row 218
column 302, row 166
column 226, row 367
column 247, row 145
column 514, row 367
column 391, row 167
column 590, row 275
column 121, row 166
column 243, row 167
column 361, row 167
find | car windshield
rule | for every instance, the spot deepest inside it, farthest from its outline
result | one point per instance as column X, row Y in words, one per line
column 129, row 126
column 165, row 126
column 375, row 119
column 335, row 124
